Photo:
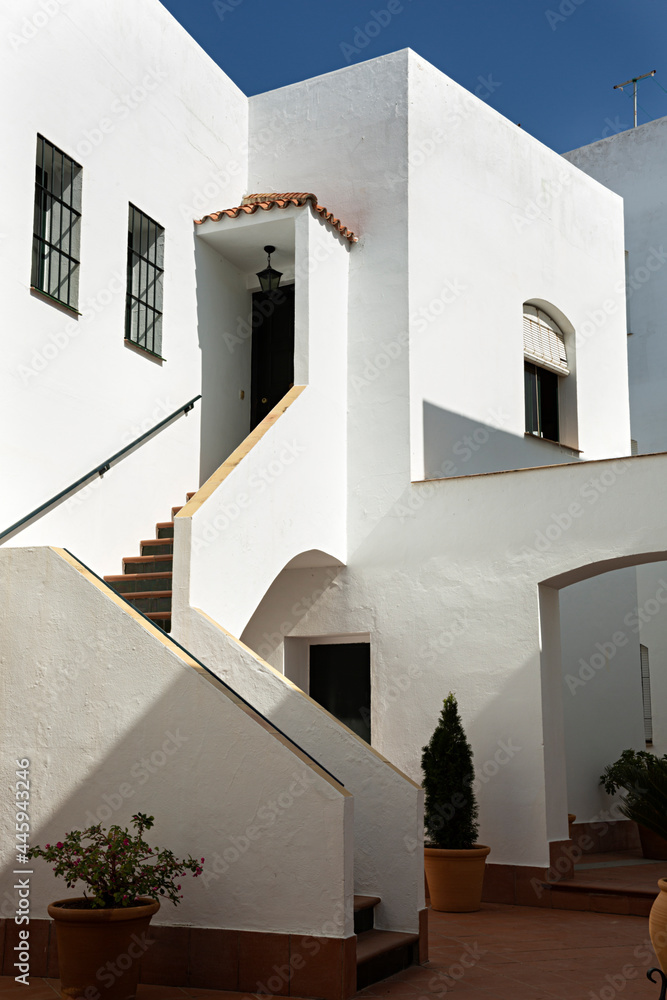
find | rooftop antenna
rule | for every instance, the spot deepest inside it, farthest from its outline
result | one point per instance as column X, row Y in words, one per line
column 634, row 81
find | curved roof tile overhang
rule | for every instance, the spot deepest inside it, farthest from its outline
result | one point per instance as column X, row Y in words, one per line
column 252, row 202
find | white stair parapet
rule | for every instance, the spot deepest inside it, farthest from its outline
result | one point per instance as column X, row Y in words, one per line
column 388, row 806
column 116, row 718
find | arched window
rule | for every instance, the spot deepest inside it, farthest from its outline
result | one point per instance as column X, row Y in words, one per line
column 545, row 364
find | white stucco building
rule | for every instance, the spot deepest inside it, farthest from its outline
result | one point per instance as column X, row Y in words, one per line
column 407, row 471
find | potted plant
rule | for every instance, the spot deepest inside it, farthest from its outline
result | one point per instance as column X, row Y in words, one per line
column 643, row 777
column 453, row 860
column 102, row 935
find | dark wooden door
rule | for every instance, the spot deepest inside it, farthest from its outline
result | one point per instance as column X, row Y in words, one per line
column 272, row 350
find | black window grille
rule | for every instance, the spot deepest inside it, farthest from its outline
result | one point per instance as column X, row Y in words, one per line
column 56, row 226
column 145, row 257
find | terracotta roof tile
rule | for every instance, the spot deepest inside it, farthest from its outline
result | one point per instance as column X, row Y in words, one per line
column 266, row 202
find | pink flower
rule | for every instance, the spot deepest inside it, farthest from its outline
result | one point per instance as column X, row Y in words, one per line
column 125, row 842
column 47, row 846
column 59, row 844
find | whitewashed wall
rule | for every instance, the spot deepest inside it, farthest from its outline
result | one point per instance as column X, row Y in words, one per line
column 125, row 91
column 498, row 219
column 113, row 718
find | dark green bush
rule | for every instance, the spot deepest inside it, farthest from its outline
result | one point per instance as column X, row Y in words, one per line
column 450, row 809
column 643, row 778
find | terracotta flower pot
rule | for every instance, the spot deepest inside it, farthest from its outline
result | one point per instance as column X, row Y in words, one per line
column 657, row 924
column 455, row 878
column 100, row 951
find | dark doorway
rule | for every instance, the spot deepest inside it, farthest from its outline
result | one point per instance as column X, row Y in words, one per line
column 340, row 681
column 272, row 350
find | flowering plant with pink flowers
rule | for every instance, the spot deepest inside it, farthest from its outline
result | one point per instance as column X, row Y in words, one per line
column 118, row 866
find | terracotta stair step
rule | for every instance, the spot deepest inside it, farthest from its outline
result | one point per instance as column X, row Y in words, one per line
column 133, row 583
column 164, row 529
column 160, row 618
column 160, row 602
column 148, row 563
column 175, row 510
column 156, row 546
column 364, row 916
column 381, row 954
column 189, row 496
column 581, row 885
column 365, row 902
column 140, row 595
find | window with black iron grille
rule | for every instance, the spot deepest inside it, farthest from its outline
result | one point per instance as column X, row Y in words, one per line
column 145, row 256
column 56, row 225
column 646, row 695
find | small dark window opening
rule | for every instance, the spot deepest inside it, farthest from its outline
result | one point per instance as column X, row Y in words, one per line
column 56, row 224
column 145, row 260
column 340, row 681
column 541, row 402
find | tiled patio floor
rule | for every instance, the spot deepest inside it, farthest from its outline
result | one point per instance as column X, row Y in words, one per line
column 500, row 953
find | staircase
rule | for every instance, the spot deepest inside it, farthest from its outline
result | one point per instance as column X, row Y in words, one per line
column 145, row 582
column 380, row 953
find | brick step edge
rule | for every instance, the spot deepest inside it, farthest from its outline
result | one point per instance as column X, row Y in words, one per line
column 373, row 944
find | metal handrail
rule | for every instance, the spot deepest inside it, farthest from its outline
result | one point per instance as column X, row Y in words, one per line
column 99, row 470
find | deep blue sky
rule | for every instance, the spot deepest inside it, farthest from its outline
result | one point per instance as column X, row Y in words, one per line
column 552, row 64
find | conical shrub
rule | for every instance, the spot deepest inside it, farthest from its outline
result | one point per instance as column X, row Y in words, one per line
column 450, row 808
